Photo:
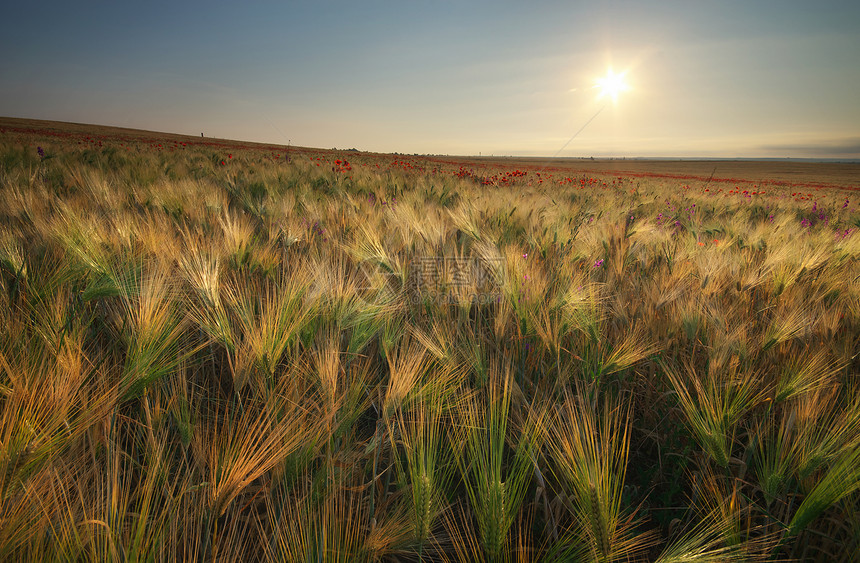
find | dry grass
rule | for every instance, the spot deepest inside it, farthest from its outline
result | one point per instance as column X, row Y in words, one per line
column 271, row 360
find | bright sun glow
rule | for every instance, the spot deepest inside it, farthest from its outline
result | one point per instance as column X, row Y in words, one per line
column 611, row 85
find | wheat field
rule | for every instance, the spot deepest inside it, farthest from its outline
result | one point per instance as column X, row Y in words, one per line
column 216, row 352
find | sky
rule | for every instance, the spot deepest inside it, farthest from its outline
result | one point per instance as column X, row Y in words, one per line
column 752, row 78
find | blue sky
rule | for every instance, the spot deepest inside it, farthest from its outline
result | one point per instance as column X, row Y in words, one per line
column 763, row 78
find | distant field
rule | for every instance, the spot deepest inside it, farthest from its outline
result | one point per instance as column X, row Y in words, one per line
column 722, row 172
column 214, row 350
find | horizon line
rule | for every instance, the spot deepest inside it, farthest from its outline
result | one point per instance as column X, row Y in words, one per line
column 480, row 155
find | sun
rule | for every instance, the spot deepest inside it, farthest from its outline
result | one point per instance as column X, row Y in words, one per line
column 611, row 85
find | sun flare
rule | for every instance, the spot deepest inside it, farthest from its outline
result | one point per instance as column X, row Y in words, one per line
column 611, row 85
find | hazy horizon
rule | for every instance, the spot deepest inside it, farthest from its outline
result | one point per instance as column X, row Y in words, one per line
column 769, row 80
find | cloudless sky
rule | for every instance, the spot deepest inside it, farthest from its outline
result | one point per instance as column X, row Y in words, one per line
column 725, row 78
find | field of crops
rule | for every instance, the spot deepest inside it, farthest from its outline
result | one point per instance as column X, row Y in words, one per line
column 216, row 352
